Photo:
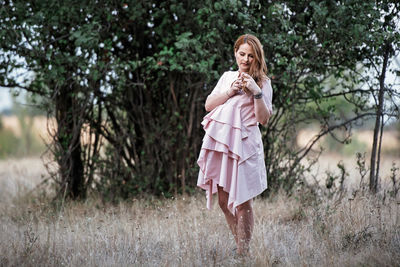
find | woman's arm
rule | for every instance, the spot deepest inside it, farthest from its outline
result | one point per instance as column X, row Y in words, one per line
column 262, row 105
column 261, row 110
column 216, row 99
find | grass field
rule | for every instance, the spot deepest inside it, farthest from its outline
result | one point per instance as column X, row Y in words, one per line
column 295, row 231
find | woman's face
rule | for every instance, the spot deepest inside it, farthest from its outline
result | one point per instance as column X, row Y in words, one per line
column 244, row 57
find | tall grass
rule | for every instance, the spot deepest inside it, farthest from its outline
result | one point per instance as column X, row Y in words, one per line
column 360, row 232
column 19, row 178
column 309, row 228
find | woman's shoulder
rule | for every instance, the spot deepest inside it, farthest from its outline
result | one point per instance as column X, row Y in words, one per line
column 229, row 75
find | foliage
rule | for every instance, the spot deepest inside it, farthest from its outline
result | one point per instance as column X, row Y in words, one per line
column 135, row 74
column 382, row 47
column 40, row 38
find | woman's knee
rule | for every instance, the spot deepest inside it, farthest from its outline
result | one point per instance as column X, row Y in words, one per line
column 223, row 199
column 223, row 204
column 245, row 207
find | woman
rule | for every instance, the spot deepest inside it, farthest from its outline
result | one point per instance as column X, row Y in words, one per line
column 231, row 159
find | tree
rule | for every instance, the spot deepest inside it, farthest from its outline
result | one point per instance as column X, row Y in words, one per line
column 136, row 74
column 308, row 44
column 46, row 39
column 382, row 48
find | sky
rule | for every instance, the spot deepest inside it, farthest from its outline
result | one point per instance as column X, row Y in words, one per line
column 5, row 99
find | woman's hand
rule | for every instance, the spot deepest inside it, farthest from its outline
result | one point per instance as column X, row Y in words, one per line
column 235, row 87
column 214, row 100
column 250, row 84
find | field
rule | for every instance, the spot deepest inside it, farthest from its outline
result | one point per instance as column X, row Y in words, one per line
column 300, row 230
column 295, row 231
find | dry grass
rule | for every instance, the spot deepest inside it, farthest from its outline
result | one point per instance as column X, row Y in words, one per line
column 182, row 232
column 295, row 231
column 327, row 162
column 19, row 177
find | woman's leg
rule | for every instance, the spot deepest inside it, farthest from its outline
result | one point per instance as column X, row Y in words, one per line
column 230, row 218
column 245, row 225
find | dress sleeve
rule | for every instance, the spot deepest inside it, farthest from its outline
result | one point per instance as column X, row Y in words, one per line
column 219, row 88
column 267, row 94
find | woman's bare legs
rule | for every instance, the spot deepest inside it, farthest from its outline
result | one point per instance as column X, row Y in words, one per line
column 245, row 225
column 242, row 224
column 230, row 218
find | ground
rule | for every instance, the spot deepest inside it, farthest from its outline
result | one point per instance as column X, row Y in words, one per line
column 289, row 231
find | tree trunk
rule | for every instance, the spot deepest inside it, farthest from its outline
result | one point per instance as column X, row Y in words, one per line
column 374, row 172
column 68, row 145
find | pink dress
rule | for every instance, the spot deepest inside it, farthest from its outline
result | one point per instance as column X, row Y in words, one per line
column 232, row 154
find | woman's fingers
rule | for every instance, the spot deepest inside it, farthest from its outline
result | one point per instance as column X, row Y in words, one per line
column 236, row 85
column 248, row 81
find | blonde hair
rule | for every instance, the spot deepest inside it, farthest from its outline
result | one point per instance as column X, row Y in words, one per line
column 258, row 69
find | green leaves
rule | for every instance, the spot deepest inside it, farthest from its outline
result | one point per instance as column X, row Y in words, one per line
column 149, row 65
column 86, row 36
column 183, row 41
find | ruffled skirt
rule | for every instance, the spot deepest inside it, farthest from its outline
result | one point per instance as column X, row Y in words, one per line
column 231, row 156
